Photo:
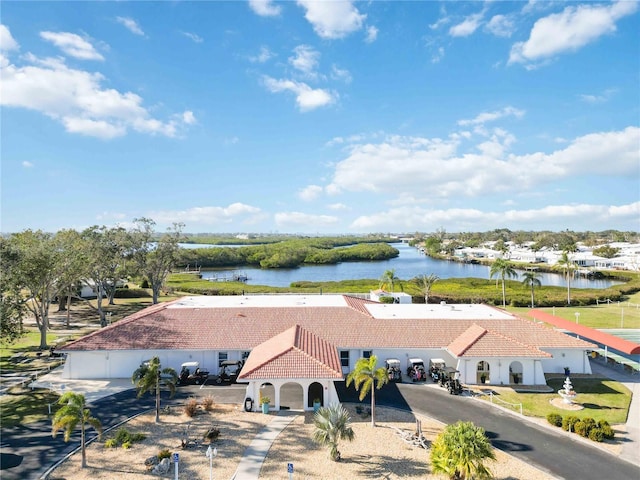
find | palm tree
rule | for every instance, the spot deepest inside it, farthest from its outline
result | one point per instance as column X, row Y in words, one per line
column 364, row 376
column 531, row 279
column 459, row 451
column 566, row 265
column 332, row 424
column 425, row 282
column 502, row 268
column 389, row 278
column 151, row 376
column 72, row 413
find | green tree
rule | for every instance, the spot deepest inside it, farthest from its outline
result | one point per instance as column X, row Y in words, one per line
column 425, row 283
column 531, row 279
column 606, row 251
column 567, row 266
column 150, row 376
column 69, row 244
column 389, row 279
column 460, row 450
column 332, row 425
column 155, row 263
column 12, row 302
column 502, row 268
column 72, row 413
column 364, row 376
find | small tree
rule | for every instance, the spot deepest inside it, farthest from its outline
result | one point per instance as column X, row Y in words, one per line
column 390, row 279
column 502, row 268
column 332, row 424
column 72, row 413
column 364, row 376
column 567, row 265
column 151, row 376
column 459, row 451
column 425, row 282
column 531, row 279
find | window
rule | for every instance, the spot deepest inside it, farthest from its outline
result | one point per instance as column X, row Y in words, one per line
column 344, row 358
column 366, row 354
column 222, row 356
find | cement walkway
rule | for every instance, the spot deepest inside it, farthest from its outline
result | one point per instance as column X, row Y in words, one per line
column 253, row 457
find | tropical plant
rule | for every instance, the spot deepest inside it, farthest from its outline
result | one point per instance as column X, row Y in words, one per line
column 567, row 265
column 389, row 279
column 333, row 424
column 531, row 279
column 503, row 269
column 364, row 376
column 72, row 413
column 459, row 451
column 425, row 282
column 151, row 376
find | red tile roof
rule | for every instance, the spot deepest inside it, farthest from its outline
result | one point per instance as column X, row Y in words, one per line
column 480, row 342
column 244, row 327
column 617, row 343
column 294, row 353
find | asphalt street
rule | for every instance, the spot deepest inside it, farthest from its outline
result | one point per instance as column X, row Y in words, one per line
column 28, row 451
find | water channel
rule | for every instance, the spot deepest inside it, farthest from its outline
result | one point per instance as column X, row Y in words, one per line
column 409, row 264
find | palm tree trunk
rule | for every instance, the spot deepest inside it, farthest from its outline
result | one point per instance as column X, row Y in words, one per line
column 158, row 400
column 532, row 304
column 568, row 287
column 373, row 405
column 83, row 446
column 504, row 295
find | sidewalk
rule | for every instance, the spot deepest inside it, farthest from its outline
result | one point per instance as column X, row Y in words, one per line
column 253, row 457
column 631, row 449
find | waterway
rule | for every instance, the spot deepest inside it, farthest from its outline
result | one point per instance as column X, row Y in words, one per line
column 409, row 264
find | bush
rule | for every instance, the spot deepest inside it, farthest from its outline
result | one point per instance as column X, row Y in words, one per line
column 165, row 453
column 606, row 429
column 211, row 434
column 131, row 293
column 596, row 434
column 555, row 419
column 569, row 422
column 191, row 407
column 124, row 436
column 126, row 445
column 207, row 403
column 111, row 443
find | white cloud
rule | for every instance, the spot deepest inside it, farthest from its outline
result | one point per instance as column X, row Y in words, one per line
column 306, row 59
column 131, row 25
column 601, row 98
column 337, row 206
column 468, row 219
column 492, row 116
column 405, row 167
column 438, row 55
column 78, row 100
column 7, row 42
column 340, row 74
column 501, row 26
column 27, row 164
column 188, row 117
column 264, row 8
column 310, row 193
column 196, row 38
column 333, row 19
column 207, row 215
column 307, row 98
column 467, row 27
column 570, row 30
column 299, row 219
column 73, row 45
column 372, row 34
column 262, row 57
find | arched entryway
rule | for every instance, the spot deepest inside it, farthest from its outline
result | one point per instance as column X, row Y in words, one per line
column 316, row 392
column 515, row 372
column 291, row 396
column 267, row 390
column 483, row 375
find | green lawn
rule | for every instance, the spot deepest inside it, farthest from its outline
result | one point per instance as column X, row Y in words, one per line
column 602, row 399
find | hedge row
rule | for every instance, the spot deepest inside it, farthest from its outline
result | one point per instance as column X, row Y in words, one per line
column 585, row 427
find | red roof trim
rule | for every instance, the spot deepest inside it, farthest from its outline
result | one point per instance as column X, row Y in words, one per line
column 611, row 341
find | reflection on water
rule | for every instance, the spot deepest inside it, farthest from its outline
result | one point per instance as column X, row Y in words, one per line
column 409, row 264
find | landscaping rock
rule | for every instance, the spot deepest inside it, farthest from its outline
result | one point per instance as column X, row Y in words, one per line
column 162, row 467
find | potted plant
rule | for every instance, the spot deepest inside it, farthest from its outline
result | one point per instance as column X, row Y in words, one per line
column 567, row 371
column 483, row 378
column 316, row 404
column 264, row 402
column 516, row 378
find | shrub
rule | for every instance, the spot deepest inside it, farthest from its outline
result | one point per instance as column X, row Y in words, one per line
column 111, row 443
column 606, row 429
column 555, row 419
column 207, row 403
column 131, row 293
column 191, row 407
column 211, row 434
column 164, row 453
column 596, row 434
column 124, row 436
column 126, row 445
column 584, row 426
column 569, row 422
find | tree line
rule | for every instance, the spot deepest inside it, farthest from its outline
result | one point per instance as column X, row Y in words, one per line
column 37, row 268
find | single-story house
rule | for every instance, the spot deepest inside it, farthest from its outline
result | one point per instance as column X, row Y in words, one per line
column 314, row 340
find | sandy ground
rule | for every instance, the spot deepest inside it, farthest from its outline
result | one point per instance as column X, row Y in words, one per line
column 375, row 452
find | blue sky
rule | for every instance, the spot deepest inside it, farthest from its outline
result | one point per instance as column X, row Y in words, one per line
column 321, row 117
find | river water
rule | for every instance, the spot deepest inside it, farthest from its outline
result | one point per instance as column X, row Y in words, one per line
column 409, row 264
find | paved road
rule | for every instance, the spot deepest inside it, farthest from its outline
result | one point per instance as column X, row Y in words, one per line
column 28, row 451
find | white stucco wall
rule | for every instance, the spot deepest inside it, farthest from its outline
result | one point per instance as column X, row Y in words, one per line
column 253, row 392
column 577, row 361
